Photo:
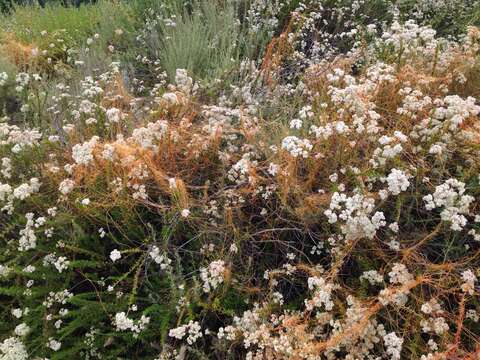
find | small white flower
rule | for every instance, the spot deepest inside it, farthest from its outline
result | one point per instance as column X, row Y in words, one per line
column 54, row 344
column 170, row 98
column 114, row 115
column 297, row 147
column 115, row 255
column 18, row 313
column 296, row 124
column 233, row 249
column 66, row 186
column 397, row 181
column 22, row 329
column 172, row 183
column 3, row 78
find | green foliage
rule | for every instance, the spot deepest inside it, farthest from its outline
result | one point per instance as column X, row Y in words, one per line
column 63, row 31
column 448, row 18
column 28, row 22
column 209, row 39
column 205, row 38
column 92, row 305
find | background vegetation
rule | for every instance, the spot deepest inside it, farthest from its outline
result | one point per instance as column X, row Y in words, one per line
column 205, row 143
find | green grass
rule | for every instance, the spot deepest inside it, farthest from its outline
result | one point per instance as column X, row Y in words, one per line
column 40, row 26
column 206, row 39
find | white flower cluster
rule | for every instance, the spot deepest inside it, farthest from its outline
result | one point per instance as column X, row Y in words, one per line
column 89, row 341
column 450, row 196
column 20, row 139
column 296, row 124
column 6, row 170
column 122, row 322
column 18, row 313
column 469, row 279
column 183, row 81
column 170, row 98
column 28, row 239
column 220, row 120
column 326, row 131
column 297, row 147
column 455, row 110
column 322, row 292
column 438, row 325
column 5, row 192
column 22, row 79
column 22, row 329
column 108, row 152
column 53, row 344
column 25, row 190
column 249, row 325
column 394, row 345
column 410, row 37
column 4, row 270
column 400, row 274
column 213, row 275
column 60, row 263
column 193, row 329
column 370, row 334
column 472, row 315
column 90, row 87
column 82, row 154
column 372, row 276
column 21, row 192
column 435, row 322
column 161, row 259
column 114, row 115
column 445, row 123
column 13, row 349
column 391, row 146
column 431, row 307
column 413, row 103
column 240, row 171
column 66, row 186
column 148, row 136
column 3, row 78
column 355, row 213
column 397, row 181
column 60, row 297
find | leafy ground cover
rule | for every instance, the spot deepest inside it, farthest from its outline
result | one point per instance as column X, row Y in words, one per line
column 240, row 180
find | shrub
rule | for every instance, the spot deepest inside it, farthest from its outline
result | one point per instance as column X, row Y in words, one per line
column 55, row 33
column 205, row 38
column 322, row 205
